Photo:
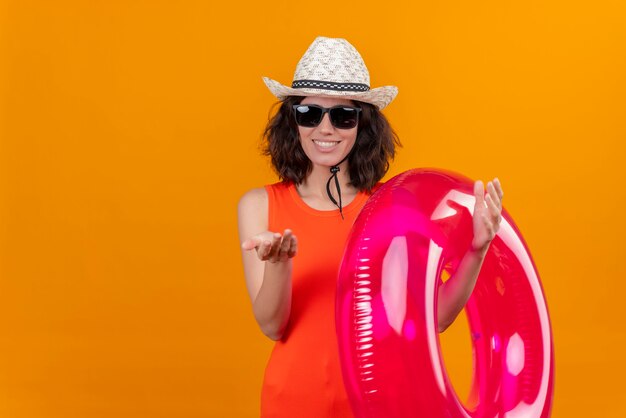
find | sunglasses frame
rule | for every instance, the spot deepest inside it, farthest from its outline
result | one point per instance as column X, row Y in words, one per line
column 327, row 110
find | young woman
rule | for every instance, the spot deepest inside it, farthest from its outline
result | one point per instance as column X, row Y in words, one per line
column 330, row 145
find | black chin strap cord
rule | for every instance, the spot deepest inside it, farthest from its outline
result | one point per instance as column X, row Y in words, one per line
column 334, row 170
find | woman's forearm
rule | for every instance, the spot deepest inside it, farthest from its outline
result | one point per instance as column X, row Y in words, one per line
column 272, row 305
column 454, row 293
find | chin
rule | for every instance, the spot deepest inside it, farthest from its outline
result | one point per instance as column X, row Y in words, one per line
column 326, row 161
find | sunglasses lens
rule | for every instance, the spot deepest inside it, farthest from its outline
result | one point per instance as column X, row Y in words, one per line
column 341, row 117
column 344, row 117
column 308, row 116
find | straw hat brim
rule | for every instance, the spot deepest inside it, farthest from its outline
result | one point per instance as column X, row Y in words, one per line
column 380, row 96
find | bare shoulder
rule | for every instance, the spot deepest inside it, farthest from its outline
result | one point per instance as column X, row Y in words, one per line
column 252, row 212
column 253, row 200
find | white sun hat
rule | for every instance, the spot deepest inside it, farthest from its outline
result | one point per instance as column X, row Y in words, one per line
column 332, row 67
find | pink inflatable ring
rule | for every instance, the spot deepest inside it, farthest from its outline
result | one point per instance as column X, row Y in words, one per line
column 414, row 227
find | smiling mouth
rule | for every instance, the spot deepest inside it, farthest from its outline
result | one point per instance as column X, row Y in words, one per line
column 326, row 144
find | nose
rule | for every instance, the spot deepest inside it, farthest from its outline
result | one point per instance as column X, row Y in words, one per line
column 325, row 125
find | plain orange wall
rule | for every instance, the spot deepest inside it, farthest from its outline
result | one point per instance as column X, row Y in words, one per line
column 129, row 129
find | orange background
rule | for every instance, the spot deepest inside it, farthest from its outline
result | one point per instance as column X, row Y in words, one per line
column 129, row 129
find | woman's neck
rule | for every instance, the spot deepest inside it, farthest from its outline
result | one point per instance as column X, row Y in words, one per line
column 314, row 185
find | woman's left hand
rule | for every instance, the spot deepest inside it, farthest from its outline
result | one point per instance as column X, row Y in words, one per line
column 487, row 214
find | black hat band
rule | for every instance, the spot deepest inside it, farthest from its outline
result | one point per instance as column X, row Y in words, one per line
column 329, row 85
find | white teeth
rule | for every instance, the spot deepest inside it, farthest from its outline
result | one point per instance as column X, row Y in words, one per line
column 325, row 144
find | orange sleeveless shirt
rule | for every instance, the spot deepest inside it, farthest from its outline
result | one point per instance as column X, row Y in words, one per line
column 303, row 375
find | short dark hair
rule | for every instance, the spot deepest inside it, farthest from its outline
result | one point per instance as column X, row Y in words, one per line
column 369, row 159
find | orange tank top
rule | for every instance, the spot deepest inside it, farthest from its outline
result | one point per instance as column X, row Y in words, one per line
column 303, row 375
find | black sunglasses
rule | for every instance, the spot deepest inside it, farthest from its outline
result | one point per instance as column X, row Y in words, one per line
column 341, row 117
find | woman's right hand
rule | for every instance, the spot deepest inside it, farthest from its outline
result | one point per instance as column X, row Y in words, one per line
column 272, row 246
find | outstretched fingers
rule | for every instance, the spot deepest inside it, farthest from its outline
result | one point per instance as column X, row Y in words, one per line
column 494, row 208
column 288, row 246
column 493, row 194
column 498, row 187
column 487, row 212
column 494, row 213
column 293, row 248
column 479, row 193
column 285, row 244
column 273, row 247
column 263, row 249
